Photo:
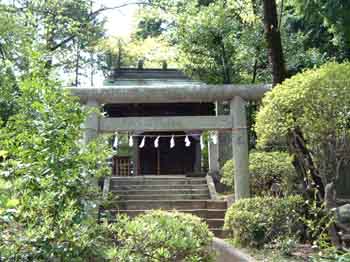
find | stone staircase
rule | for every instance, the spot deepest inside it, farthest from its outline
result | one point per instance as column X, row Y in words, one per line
column 140, row 194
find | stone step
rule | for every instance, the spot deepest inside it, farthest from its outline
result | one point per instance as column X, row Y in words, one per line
column 216, row 204
column 164, row 197
column 156, row 177
column 137, row 195
column 345, row 237
column 215, row 222
column 158, row 187
column 219, row 232
column 164, row 192
column 203, row 213
column 157, row 182
column 170, row 204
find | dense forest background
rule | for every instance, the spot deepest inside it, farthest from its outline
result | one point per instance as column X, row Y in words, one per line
column 215, row 41
column 223, row 41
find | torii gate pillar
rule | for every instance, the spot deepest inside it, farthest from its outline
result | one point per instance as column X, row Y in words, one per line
column 92, row 121
column 91, row 131
column 240, row 148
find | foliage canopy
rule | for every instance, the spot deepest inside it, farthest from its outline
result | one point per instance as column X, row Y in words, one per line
column 315, row 102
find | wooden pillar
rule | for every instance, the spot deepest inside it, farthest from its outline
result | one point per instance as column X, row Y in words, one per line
column 136, row 156
column 240, row 148
column 198, row 159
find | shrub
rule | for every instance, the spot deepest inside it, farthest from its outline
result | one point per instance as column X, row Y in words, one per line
column 43, row 215
column 162, row 236
column 312, row 110
column 260, row 220
column 265, row 168
column 227, row 174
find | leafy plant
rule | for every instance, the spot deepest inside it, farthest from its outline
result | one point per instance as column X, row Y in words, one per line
column 286, row 245
column 162, row 236
column 266, row 169
column 49, row 174
column 317, row 222
column 312, row 110
column 261, row 220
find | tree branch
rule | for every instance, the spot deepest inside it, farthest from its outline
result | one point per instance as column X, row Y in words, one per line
column 103, row 9
column 92, row 16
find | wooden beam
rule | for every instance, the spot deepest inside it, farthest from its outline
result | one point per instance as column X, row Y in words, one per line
column 159, row 124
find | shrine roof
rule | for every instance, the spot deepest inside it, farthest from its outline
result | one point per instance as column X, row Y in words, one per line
column 127, row 77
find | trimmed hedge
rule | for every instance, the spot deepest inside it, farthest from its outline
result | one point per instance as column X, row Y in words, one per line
column 260, row 220
column 162, row 236
column 266, row 168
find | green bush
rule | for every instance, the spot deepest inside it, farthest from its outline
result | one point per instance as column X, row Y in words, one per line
column 260, row 220
column 265, row 168
column 162, row 236
column 313, row 109
column 45, row 195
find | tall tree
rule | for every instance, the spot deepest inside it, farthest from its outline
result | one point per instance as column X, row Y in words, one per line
column 274, row 42
column 217, row 40
column 304, row 161
column 63, row 31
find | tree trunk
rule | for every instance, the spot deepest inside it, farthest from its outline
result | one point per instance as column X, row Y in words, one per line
column 225, row 65
column 330, row 203
column 303, row 161
column 274, row 43
column 304, row 165
column 255, row 70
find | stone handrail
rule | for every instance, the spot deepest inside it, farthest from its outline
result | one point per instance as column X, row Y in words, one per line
column 106, row 187
column 211, row 187
column 227, row 253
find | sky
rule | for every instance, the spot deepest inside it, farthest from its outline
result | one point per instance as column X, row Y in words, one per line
column 119, row 21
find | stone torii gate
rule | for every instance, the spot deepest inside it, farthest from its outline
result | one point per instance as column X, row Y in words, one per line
column 236, row 121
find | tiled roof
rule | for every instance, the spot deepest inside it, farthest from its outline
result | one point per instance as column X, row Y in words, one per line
column 148, row 77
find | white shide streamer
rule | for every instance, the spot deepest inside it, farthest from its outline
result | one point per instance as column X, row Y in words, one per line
column 202, row 142
column 131, row 141
column 156, row 142
column 172, row 142
column 142, row 142
column 214, row 138
column 187, row 142
column 116, row 141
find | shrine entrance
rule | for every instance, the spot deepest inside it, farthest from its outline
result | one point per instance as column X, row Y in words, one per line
column 165, row 160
